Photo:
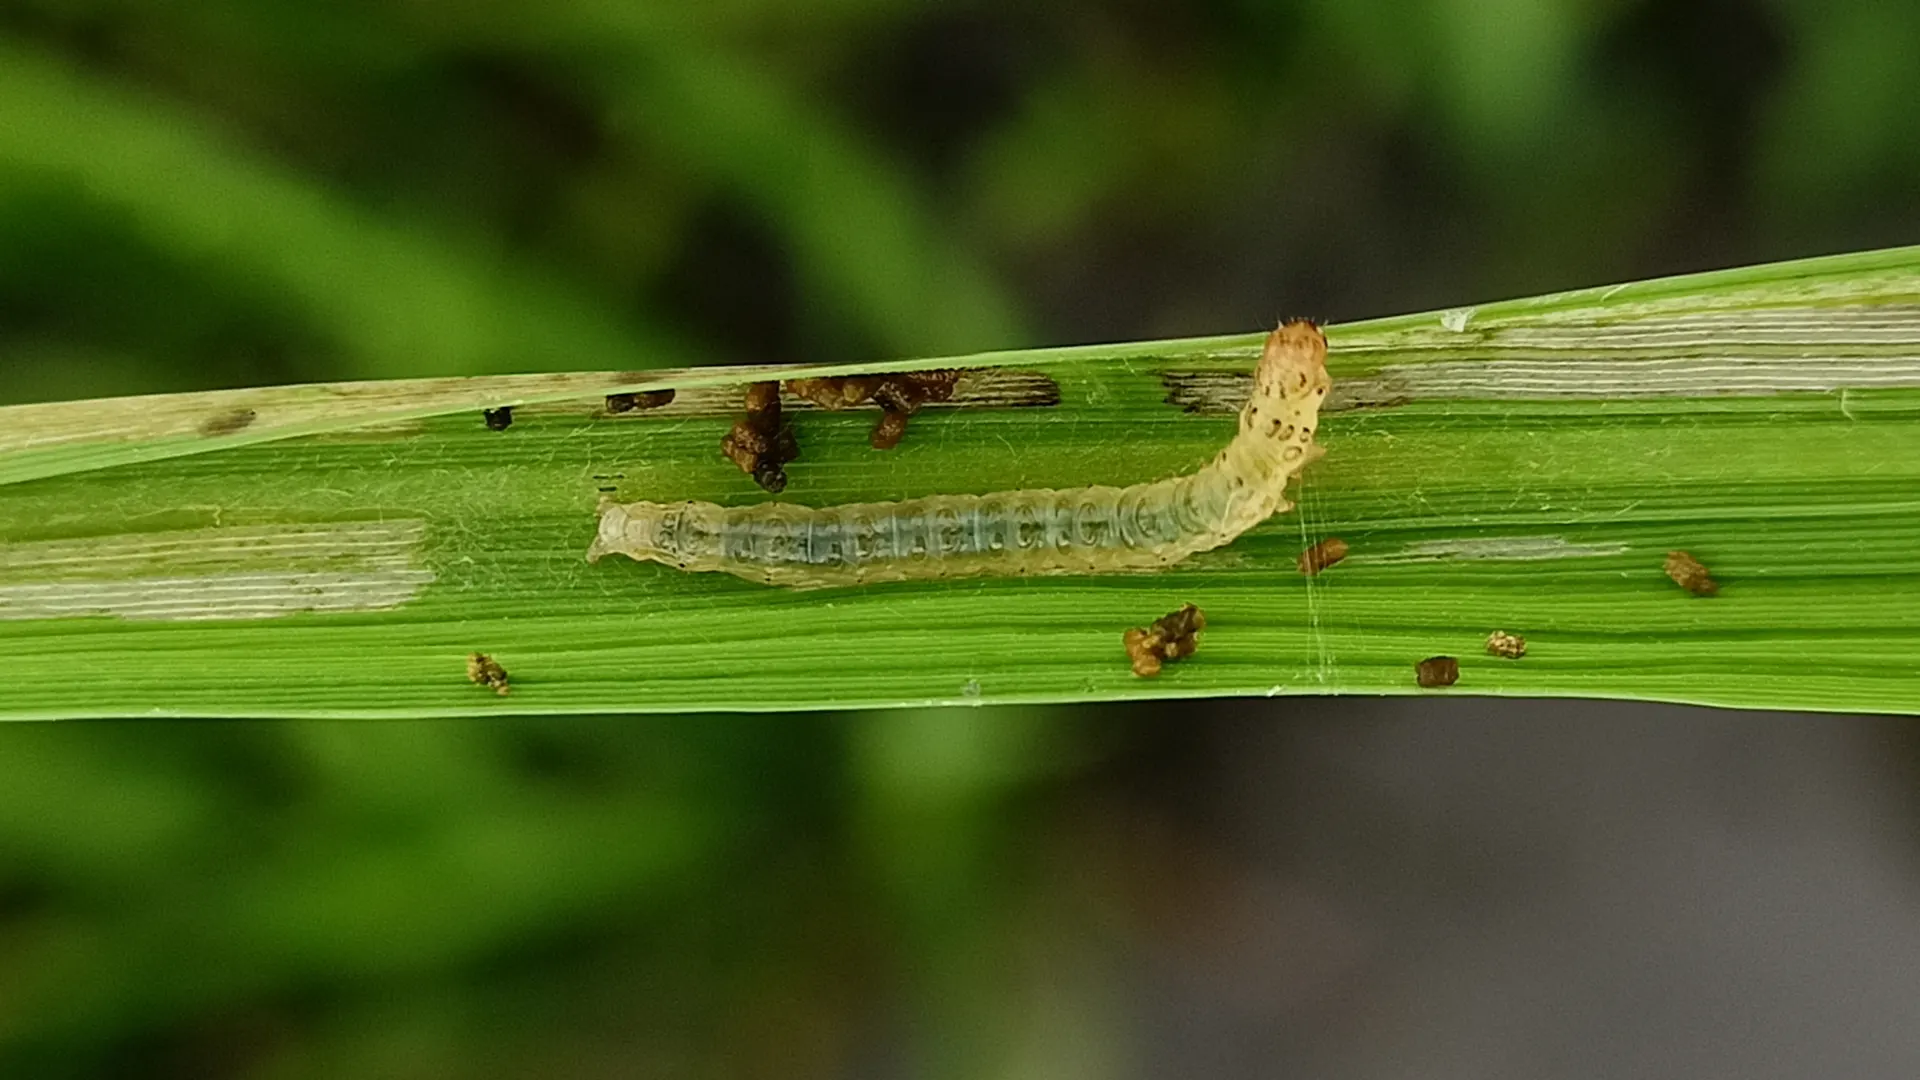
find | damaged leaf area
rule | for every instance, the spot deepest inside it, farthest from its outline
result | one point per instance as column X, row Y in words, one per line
column 342, row 551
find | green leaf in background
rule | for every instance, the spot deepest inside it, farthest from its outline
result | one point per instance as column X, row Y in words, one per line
column 1523, row 466
column 392, row 296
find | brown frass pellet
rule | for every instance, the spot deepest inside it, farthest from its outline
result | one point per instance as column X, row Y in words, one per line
column 1437, row 671
column 1322, row 555
column 483, row 669
column 1511, row 646
column 1690, row 574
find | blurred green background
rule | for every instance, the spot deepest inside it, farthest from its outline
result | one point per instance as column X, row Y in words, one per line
column 229, row 193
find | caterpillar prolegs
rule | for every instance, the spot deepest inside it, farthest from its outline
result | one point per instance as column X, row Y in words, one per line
column 1088, row 530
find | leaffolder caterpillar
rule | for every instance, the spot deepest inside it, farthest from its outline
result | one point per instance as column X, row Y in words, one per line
column 1087, row 530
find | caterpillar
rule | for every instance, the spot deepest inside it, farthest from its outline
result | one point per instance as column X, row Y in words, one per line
column 1089, row 530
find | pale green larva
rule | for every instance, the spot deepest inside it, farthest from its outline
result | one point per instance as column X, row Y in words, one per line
column 1091, row 530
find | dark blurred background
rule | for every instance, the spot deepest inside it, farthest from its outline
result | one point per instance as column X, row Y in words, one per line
column 228, row 193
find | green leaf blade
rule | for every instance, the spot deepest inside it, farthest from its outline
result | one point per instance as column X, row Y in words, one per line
column 1766, row 420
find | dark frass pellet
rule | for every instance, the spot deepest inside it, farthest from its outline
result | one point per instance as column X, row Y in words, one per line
column 638, row 399
column 499, row 419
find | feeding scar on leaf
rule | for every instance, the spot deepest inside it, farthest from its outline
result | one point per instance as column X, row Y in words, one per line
column 1088, row 530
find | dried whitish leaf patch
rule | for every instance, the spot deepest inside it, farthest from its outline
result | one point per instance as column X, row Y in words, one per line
column 253, row 572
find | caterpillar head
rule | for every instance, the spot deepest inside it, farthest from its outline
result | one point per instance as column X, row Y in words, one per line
column 638, row 530
column 1293, row 366
column 1289, row 384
